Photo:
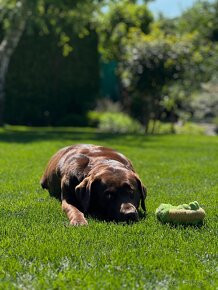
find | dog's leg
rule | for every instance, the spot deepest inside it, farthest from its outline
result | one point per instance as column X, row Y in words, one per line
column 75, row 216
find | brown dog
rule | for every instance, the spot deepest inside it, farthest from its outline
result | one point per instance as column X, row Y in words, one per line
column 94, row 180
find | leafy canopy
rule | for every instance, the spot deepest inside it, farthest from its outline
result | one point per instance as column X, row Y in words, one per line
column 60, row 17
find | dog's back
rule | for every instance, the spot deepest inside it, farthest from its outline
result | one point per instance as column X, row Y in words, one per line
column 51, row 179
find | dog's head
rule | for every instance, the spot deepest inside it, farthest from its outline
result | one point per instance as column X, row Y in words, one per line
column 112, row 193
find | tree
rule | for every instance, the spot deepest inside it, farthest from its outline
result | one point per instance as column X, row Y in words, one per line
column 157, row 61
column 117, row 27
column 162, row 65
column 204, row 103
column 201, row 18
column 117, row 24
column 46, row 15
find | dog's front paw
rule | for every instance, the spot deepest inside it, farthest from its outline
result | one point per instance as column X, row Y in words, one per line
column 78, row 221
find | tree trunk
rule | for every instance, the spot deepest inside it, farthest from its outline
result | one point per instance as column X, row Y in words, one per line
column 7, row 47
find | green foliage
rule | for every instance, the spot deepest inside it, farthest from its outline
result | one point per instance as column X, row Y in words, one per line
column 39, row 250
column 114, row 122
column 162, row 66
column 156, row 63
column 52, row 89
column 204, row 104
column 160, row 63
column 202, row 18
column 49, row 16
column 109, row 117
column 116, row 25
column 157, row 127
column 189, row 128
column 194, row 100
column 215, row 122
column 162, row 73
column 118, row 123
column 61, row 20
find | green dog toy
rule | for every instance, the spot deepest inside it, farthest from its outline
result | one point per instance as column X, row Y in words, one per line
column 184, row 214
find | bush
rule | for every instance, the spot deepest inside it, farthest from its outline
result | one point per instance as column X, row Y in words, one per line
column 42, row 80
column 157, row 127
column 94, row 118
column 189, row 129
column 114, row 122
column 215, row 121
column 204, row 103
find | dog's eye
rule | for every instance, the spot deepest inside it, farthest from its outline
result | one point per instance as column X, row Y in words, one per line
column 131, row 194
column 108, row 195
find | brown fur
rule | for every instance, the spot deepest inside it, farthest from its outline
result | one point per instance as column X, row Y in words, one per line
column 94, row 180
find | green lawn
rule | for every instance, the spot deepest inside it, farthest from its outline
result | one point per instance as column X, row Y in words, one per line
column 38, row 250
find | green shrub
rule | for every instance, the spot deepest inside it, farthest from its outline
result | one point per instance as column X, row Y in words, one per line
column 94, row 118
column 204, row 103
column 114, row 122
column 189, row 129
column 45, row 88
column 215, row 121
column 118, row 122
column 157, row 127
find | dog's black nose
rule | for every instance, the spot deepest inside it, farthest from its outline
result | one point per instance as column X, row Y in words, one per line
column 131, row 217
column 128, row 212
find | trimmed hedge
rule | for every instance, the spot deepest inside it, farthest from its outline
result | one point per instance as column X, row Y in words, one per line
column 45, row 88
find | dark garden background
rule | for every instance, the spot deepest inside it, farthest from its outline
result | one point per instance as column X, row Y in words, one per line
column 109, row 64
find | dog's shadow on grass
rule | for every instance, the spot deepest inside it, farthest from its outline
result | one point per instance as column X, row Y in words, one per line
column 142, row 216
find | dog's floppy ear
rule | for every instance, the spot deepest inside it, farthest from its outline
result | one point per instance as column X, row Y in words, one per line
column 143, row 193
column 83, row 193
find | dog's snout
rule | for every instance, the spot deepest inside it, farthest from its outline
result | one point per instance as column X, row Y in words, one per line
column 129, row 212
column 127, row 208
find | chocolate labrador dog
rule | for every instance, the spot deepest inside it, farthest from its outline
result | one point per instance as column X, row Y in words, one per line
column 94, row 180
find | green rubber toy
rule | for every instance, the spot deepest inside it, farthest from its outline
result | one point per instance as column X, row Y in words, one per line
column 184, row 214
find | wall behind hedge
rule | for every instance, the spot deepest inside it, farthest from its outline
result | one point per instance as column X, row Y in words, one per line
column 45, row 88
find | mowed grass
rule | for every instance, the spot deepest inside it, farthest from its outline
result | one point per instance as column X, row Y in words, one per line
column 40, row 251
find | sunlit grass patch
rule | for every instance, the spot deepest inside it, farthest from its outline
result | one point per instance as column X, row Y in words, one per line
column 38, row 250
